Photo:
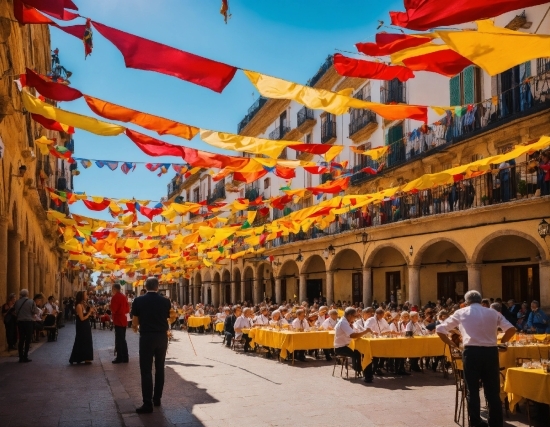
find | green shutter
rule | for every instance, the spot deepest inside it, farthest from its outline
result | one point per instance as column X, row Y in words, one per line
column 388, row 137
column 395, row 134
column 469, row 85
column 454, row 90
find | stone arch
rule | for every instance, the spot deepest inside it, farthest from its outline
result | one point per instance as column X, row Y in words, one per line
column 376, row 251
column 313, row 261
column 238, row 284
column 347, row 277
column 338, row 257
column 289, row 274
column 417, row 258
column 265, row 282
column 215, row 289
column 482, row 245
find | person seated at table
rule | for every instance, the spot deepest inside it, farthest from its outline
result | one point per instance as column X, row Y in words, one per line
column 244, row 322
column 262, row 319
column 300, row 324
column 415, row 328
column 320, row 316
column 486, row 302
column 522, row 317
column 344, row 333
column 229, row 325
column 397, row 328
column 360, row 324
column 199, row 310
column 538, row 321
column 277, row 320
column 378, row 326
column 330, row 323
column 220, row 317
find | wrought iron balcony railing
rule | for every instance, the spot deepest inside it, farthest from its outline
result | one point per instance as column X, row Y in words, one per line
column 328, row 130
column 304, row 115
column 359, row 121
column 252, row 111
column 279, row 132
column 321, row 72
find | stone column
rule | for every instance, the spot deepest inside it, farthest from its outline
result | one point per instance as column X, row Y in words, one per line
column 302, row 288
column 233, row 287
column 195, row 294
column 474, row 277
column 243, row 290
column 14, row 263
column 31, row 275
column 215, row 294
column 24, row 266
column 37, row 277
column 414, row 284
column 278, row 290
column 367, row 286
column 544, row 280
column 330, row 287
column 4, row 259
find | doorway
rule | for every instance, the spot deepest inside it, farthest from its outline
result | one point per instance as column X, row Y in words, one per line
column 283, row 291
column 314, row 289
column 521, row 283
column 452, row 285
column 227, row 293
column 357, row 287
column 393, row 286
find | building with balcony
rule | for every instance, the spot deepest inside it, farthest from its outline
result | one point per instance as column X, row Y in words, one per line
column 479, row 233
column 29, row 257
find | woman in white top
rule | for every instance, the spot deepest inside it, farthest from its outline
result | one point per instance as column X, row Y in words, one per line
column 417, row 329
column 397, row 329
column 277, row 320
column 330, row 323
column 262, row 319
column 300, row 324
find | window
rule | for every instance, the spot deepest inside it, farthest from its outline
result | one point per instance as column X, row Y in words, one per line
column 308, row 179
column 308, row 138
column 476, row 157
column 360, row 159
column 393, row 92
column 465, row 88
column 543, row 65
column 267, row 183
column 196, row 195
column 394, row 137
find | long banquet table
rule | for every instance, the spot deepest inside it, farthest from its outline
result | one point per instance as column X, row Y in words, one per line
column 522, row 383
column 195, row 322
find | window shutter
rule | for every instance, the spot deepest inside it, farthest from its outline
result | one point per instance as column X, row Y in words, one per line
column 469, row 85
column 524, row 71
column 454, row 90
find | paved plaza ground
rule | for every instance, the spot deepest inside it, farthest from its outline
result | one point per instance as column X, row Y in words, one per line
column 218, row 387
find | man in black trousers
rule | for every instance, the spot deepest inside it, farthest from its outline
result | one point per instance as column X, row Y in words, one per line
column 150, row 313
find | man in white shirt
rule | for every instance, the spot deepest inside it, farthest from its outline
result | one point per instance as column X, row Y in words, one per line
column 378, row 326
column 344, row 333
column 322, row 316
column 262, row 319
column 415, row 328
column 244, row 322
column 478, row 327
column 220, row 317
column 330, row 323
column 366, row 314
column 300, row 324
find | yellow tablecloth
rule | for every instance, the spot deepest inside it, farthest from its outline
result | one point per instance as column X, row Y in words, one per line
column 530, row 384
column 507, row 359
column 289, row 341
column 195, row 322
column 219, row 327
column 428, row 346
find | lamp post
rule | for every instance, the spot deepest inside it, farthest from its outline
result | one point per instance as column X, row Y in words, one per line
column 544, row 229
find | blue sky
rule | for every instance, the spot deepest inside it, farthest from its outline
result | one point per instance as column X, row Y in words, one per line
column 284, row 38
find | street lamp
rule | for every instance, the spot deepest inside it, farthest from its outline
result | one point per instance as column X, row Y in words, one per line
column 411, row 250
column 299, row 258
column 544, row 229
column 363, row 237
column 331, row 250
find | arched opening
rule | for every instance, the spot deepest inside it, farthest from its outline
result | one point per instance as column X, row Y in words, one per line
column 348, row 276
column 237, row 282
column 388, row 274
column 289, row 275
column 215, row 288
column 315, row 270
column 248, row 283
column 443, row 272
column 197, row 289
column 265, row 282
column 510, row 267
column 226, row 288
column 207, row 288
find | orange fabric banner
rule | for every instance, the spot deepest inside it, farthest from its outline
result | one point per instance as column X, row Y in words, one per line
column 160, row 125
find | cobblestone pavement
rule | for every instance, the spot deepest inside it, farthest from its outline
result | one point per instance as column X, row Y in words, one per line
column 218, row 387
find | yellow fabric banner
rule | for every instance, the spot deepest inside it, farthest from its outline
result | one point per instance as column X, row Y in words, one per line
column 34, row 105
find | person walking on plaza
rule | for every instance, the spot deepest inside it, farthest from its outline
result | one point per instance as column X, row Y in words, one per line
column 119, row 310
column 83, row 347
column 10, row 322
column 150, row 313
column 24, row 310
column 478, row 327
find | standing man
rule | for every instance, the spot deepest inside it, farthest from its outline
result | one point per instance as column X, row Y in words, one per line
column 151, row 312
column 119, row 310
column 478, row 327
column 24, row 310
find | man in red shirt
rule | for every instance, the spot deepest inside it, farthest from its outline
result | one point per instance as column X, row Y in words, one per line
column 120, row 308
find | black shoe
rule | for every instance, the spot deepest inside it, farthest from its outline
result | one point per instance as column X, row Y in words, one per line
column 126, row 361
column 117, row 361
column 145, row 409
column 328, row 357
column 416, row 369
column 367, row 380
column 156, row 402
column 402, row 372
column 378, row 372
column 25, row 360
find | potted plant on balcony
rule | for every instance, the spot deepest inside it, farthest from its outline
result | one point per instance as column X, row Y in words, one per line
column 522, row 188
column 484, row 200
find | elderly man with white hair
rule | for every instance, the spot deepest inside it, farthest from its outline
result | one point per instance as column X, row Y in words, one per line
column 360, row 324
column 25, row 309
column 244, row 322
column 262, row 319
column 415, row 328
column 478, row 327
column 377, row 325
column 277, row 320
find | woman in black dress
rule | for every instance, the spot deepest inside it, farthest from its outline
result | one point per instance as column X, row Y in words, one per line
column 83, row 349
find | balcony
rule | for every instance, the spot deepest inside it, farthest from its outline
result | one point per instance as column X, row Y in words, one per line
column 328, row 131
column 279, row 132
column 393, row 93
column 174, row 187
column 521, row 101
column 321, row 72
column 218, row 193
column 510, row 184
column 251, row 193
column 327, row 176
column 252, row 111
column 363, row 123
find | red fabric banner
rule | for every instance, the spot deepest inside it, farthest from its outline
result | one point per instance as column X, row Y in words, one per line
column 51, row 90
column 331, row 187
column 311, row 148
column 55, row 8
column 349, row 67
column 248, row 177
column 317, row 170
column 52, row 124
column 423, row 15
column 386, row 44
column 281, row 202
column 90, row 204
column 283, row 172
column 445, row 62
column 148, row 55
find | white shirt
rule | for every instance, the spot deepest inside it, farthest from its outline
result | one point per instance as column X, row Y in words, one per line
column 416, row 328
column 329, row 323
column 261, row 320
column 50, row 308
column 359, row 325
column 300, row 324
column 397, row 328
column 240, row 323
column 343, row 331
column 199, row 312
column 320, row 320
column 220, row 317
column 279, row 322
column 478, row 325
column 377, row 326
column 38, row 316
